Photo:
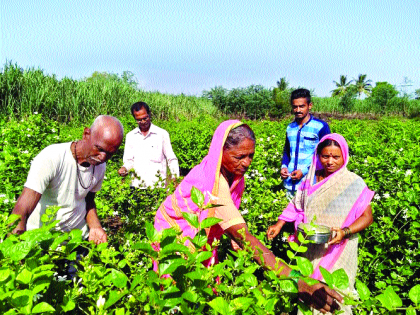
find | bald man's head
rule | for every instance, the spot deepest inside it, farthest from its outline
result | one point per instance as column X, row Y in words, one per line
column 102, row 139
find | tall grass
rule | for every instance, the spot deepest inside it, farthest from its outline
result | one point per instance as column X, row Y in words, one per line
column 27, row 91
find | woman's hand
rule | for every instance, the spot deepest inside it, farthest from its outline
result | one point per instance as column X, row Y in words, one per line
column 275, row 229
column 339, row 236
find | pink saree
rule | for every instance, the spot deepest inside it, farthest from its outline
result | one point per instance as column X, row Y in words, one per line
column 205, row 177
column 338, row 200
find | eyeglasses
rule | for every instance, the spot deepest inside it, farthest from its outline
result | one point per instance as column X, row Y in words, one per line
column 143, row 119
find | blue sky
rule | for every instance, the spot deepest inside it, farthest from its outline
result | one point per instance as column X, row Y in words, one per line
column 190, row 46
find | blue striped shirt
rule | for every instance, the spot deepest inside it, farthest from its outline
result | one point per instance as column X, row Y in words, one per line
column 300, row 146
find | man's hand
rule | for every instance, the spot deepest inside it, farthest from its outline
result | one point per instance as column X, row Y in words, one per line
column 122, row 171
column 284, row 173
column 275, row 229
column 319, row 296
column 296, row 175
column 97, row 235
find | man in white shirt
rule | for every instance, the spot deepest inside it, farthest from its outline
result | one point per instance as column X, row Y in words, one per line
column 68, row 175
column 147, row 150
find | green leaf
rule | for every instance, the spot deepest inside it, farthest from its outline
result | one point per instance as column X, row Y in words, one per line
column 19, row 250
column 207, row 222
column 328, row 278
column 118, row 278
column 24, row 276
column 288, row 286
column 363, row 290
column 12, row 219
column 151, row 232
column 192, row 219
column 43, row 307
column 170, row 265
column 340, row 278
column 190, row 296
column 241, row 303
column 4, row 273
column 173, row 248
column 113, row 297
column 220, row 305
column 21, row 298
column 197, row 197
column 305, row 266
column 202, row 256
column 68, row 304
column 389, row 299
column 410, row 311
column 414, row 294
column 145, row 248
column 200, row 239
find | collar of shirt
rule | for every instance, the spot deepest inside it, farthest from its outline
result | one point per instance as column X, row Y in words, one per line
column 152, row 129
column 296, row 125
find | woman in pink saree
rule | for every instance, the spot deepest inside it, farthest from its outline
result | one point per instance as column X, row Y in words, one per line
column 337, row 198
column 220, row 177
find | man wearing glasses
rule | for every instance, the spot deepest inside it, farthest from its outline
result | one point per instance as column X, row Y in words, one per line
column 147, row 150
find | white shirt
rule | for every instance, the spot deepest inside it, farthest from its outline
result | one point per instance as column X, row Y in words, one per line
column 53, row 174
column 149, row 156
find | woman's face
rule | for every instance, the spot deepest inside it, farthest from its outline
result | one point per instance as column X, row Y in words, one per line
column 236, row 160
column 331, row 159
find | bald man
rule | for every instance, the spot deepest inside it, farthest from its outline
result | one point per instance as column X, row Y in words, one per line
column 68, row 175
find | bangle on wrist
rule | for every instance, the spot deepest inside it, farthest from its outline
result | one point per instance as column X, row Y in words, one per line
column 347, row 231
column 295, row 275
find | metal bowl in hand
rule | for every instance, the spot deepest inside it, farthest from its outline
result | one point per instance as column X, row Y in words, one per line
column 320, row 234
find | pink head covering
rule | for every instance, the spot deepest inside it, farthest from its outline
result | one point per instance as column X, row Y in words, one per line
column 343, row 146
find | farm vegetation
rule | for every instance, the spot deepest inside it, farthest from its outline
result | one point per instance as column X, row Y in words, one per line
column 117, row 277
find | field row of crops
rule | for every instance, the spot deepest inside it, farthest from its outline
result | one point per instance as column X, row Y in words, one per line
column 117, row 278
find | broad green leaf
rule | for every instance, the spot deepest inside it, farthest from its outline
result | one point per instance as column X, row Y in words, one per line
column 200, row 239
column 173, row 248
column 414, row 294
column 43, row 307
column 151, row 232
column 113, row 297
column 247, row 279
column 68, row 304
column 170, row 265
column 389, row 299
column 241, row 303
column 297, row 248
column 207, row 222
column 76, row 234
column 118, row 278
column 363, row 290
column 12, row 219
column 220, row 305
column 290, row 254
column 145, row 248
column 410, row 311
column 328, row 278
column 341, row 280
column 122, row 263
column 21, row 298
column 288, row 286
column 19, row 251
column 24, row 276
column 190, row 296
column 197, row 197
column 305, row 266
column 304, row 308
column 202, row 256
column 139, row 278
column 191, row 218
column 4, row 273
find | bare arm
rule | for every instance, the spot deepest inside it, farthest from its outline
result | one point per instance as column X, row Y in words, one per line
column 25, row 205
column 360, row 224
column 96, row 232
column 318, row 295
column 275, row 229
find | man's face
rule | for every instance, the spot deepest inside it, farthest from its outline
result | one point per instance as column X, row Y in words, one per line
column 102, row 147
column 142, row 119
column 301, row 108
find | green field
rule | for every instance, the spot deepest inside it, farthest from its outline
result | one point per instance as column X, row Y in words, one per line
column 117, row 279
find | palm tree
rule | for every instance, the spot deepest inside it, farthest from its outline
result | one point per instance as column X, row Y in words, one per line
column 282, row 84
column 363, row 85
column 341, row 86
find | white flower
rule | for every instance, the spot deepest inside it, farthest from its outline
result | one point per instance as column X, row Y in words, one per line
column 115, row 213
column 127, row 243
column 260, row 216
column 25, row 152
column 101, row 302
column 268, row 138
column 28, row 136
column 2, row 195
column 53, row 130
column 245, row 211
column 35, row 113
column 386, row 195
column 408, row 172
column 260, row 139
column 61, row 278
column 366, row 161
column 284, row 239
column 377, row 197
column 6, row 201
column 245, row 200
column 401, row 149
column 36, row 297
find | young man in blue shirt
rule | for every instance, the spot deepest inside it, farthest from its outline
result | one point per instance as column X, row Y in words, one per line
column 302, row 136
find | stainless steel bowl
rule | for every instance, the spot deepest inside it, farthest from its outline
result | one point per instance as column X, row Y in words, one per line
column 321, row 233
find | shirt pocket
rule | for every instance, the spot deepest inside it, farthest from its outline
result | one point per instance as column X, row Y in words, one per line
column 155, row 153
column 310, row 141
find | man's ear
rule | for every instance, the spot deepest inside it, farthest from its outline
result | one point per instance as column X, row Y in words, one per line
column 86, row 133
column 310, row 105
